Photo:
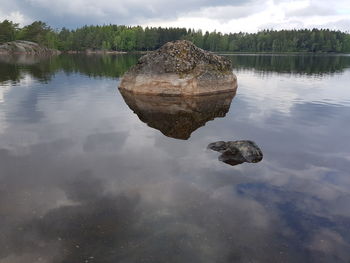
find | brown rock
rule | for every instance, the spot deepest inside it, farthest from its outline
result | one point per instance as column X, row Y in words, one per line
column 180, row 68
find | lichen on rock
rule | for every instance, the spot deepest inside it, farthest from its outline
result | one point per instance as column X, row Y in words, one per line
column 180, row 68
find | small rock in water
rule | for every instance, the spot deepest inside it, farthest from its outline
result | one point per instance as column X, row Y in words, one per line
column 237, row 152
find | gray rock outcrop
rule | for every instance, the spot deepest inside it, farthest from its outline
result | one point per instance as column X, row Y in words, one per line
column 237, row 152
column 180, row 68
column 25, row 47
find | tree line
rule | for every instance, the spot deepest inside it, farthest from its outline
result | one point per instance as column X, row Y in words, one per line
column 137, row 38
column 43, row 68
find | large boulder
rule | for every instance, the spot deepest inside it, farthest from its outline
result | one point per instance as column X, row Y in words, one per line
column 25, row 47
column 175, row 116
column 180, row 68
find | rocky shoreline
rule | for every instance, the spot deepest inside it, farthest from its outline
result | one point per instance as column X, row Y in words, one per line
column 26, row 47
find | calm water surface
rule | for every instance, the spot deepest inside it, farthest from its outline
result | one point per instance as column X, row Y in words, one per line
column 85, row 179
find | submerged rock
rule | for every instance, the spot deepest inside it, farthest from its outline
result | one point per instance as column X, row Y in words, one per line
column 178, row 117
column 237, row 152
column 25, row 47
column 180, row 68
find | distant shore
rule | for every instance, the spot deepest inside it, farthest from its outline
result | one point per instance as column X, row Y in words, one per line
column 215, row 52
column 102, row 52
column 280, row 53
column 111, row 52
column 95, row 52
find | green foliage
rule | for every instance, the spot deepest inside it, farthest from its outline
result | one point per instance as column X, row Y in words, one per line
column 346, row 44
column 8, row 31
column 40, row 33
column 34, row 32
column 124, row 38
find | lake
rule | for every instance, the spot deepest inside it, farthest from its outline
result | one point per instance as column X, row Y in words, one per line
column 87, row 175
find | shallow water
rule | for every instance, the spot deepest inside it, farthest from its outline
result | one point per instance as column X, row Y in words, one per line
column 83, row 179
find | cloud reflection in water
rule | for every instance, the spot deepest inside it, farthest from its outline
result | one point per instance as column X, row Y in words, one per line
column 89, row 181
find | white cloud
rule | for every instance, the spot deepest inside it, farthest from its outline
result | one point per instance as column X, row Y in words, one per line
column 15, row 16
column 260, row 15
column 222, row 15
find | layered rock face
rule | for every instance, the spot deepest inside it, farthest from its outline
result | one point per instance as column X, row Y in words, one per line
column 175, row 116
column 25, row 47
column 180, row 68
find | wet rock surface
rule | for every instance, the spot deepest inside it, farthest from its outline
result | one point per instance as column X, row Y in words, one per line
column 25, row 47
column 177, row 117
column 180, row 68
column 237, row 152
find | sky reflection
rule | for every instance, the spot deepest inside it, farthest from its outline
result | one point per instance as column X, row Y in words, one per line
column 82, row 179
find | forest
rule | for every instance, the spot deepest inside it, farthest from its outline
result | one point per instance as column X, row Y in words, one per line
column 137, row 38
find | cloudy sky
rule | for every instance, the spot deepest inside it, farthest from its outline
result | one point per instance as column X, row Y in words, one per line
column 220, row 15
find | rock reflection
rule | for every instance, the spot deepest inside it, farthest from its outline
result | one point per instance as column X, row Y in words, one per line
column 237, row 152
column 175, row 116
